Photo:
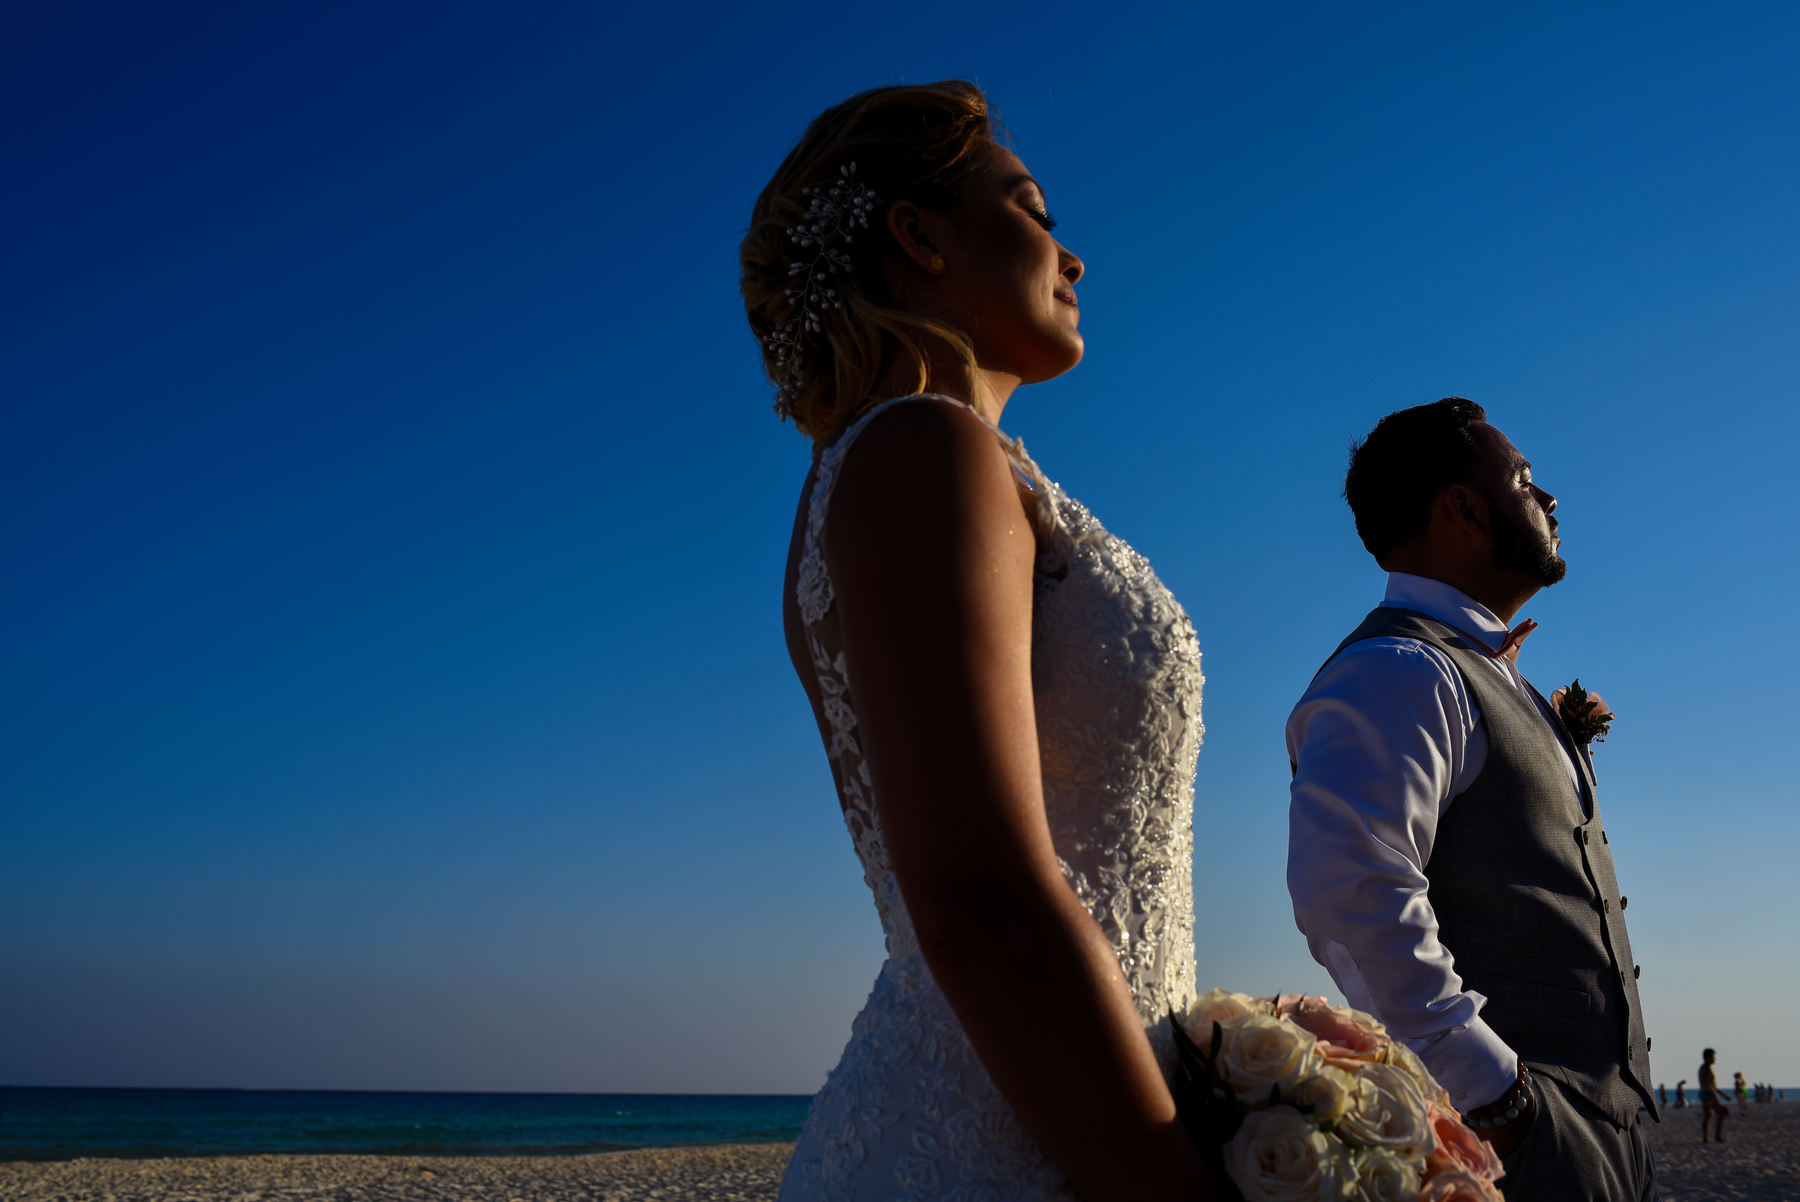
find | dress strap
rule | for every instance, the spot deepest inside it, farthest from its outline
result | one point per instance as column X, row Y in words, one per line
column 814, row 587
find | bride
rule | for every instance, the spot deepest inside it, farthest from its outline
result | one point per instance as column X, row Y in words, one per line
column 1009, row 698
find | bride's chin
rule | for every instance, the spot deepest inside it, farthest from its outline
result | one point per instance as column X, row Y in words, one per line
column 1070, row 358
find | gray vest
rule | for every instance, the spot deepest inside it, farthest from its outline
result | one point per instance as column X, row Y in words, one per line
column 1523, row 888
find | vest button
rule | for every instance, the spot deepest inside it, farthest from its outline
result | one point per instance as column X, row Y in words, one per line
column 1584, row 838
column 1631, row 1053
column 1603, row 837
column 1647, row 1042
column 1623, row 900
column 1635, row 970
column 1605, row 907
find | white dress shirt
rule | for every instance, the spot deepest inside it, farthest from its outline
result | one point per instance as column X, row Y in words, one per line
column 1386, row 735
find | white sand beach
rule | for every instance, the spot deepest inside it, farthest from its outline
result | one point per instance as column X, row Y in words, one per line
column 1760, row 1162
column 720, row 1173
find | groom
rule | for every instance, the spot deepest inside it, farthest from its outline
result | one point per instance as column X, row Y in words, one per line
column 1446, row 857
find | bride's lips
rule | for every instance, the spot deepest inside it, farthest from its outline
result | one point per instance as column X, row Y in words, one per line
column 1067, row 297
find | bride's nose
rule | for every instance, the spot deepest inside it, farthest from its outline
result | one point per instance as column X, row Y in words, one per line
column 1072, row 267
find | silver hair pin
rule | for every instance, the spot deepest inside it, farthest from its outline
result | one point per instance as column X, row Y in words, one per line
column 825, row 230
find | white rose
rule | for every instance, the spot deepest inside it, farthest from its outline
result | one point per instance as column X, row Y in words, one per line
column 1326, row 1094
column 1279, row 1156
column 1383, row 1176
column 1404, row 1059
column 1386, row 1111
column 1217, row 1006
column 1266, row 1052
column 1456, row 1186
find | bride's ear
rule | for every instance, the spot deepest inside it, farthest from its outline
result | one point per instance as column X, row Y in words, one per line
column 915, row 230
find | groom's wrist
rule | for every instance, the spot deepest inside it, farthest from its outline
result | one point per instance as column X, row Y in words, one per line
column 1472, row 1062
column 1511, row 1107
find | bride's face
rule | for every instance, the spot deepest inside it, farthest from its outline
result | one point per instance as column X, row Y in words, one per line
column 1007, row 282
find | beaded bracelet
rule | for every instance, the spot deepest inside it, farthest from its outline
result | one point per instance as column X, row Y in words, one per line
column 1507, row 1107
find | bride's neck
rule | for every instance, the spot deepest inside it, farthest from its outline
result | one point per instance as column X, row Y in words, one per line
column 947, row 372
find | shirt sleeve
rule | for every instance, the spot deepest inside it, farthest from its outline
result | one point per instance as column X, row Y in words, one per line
column 1385, row 736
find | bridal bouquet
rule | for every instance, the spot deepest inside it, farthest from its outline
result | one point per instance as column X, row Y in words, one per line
column 1316, row 1102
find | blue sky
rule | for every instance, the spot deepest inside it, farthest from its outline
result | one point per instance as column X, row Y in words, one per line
column 393, row 516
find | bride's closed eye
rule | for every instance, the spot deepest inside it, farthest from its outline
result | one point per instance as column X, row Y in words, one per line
column 1042, row 217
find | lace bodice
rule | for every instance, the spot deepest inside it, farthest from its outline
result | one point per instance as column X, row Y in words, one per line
column 909, row 1112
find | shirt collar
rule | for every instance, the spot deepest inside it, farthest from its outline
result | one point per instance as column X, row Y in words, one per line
column 1453, row 607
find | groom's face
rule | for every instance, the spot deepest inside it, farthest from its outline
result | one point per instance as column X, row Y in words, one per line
column 1524, row 531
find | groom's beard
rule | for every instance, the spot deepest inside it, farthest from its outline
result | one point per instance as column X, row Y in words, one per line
column 1523, row 548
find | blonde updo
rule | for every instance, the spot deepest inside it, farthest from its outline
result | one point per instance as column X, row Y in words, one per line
column 909, row 142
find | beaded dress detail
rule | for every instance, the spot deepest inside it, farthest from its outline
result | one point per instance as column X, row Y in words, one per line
column 910, row 1112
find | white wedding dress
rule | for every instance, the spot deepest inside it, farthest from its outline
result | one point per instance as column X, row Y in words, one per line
column 910, row 1112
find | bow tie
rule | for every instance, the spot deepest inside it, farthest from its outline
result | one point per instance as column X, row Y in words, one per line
column 1515, row 639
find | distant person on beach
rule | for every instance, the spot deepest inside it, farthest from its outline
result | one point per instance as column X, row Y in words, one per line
column 1430, row 857
column 1009, row 698
column 1711, row 1104
column 1681, row 1094
column 1743, row 1093
column 1662, row 1096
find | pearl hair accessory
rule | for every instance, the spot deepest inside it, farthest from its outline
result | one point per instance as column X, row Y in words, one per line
column 825, row 230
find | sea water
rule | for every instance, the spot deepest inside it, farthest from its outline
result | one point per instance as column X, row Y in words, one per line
column 60, row 1124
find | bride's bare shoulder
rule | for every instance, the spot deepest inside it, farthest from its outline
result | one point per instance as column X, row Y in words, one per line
column 924, row 467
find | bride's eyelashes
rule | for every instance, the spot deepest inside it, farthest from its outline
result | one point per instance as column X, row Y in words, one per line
column 1042, row 217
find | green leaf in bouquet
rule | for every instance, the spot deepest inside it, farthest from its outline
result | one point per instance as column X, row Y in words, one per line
column 1186, row 1050
column 1206, row 1104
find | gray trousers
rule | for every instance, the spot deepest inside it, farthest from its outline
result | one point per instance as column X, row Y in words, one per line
column 1572, row 1152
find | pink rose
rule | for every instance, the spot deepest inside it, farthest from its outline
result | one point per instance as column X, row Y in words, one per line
column 1595, row 704
column 1454, row 1186
column 1460, row 1149
column 1345, row 1039
column 1285, row 1003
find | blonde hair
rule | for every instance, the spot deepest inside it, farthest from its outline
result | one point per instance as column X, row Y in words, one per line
column 908, row 142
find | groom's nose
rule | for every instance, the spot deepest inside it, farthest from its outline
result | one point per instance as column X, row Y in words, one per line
column 1545, row 501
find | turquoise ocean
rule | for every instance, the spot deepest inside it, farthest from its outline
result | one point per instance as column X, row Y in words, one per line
column 62, row 1124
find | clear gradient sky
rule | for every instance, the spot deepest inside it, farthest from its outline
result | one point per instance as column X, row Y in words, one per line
column 392, row 516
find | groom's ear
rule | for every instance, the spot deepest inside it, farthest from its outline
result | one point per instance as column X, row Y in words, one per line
column 1465, row 508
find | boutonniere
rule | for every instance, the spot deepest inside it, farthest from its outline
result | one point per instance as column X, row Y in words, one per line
column 1583, row 713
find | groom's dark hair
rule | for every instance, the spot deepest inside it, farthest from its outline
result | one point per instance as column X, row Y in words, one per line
column 1407, row 459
